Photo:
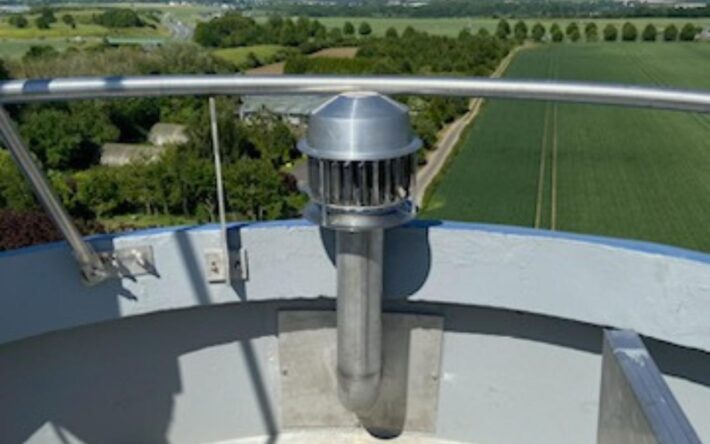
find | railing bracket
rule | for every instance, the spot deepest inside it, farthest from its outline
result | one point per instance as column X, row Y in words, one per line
column 129, row 262
column 215, row 265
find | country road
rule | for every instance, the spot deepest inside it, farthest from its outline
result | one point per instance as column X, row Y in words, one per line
column 451, row 134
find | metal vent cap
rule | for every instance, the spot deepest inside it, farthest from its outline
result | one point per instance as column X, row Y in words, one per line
column 359, row 126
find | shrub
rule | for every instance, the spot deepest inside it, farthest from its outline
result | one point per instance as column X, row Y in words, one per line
column 18, row 21
column 611, row 34
column 688, row 32
column 348, row 29
column 538, row 32
column 503, row 29
column 629, row 33
column 119, row 18
column 670, row 33
column 557, row 36
column 649, row 33
column 520, row 30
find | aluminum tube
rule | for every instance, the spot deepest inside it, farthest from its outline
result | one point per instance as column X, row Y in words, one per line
column 16, row 91
column 359, row 313
column 214, row 128
column 92, row 269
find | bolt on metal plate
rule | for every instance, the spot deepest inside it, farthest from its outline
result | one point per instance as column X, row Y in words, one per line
column 215, row 265
column 129, row 262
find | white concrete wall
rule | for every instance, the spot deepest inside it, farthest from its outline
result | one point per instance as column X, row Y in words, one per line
column 521, row 362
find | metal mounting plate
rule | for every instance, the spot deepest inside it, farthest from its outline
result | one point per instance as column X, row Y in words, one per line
column 215, row 265
column 410, row 377
column 129, row 262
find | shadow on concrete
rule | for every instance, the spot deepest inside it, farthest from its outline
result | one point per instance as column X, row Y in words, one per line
column 407, row 256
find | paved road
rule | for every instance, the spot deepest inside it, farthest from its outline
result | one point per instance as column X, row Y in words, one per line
column 178, row 29
column 450, row 136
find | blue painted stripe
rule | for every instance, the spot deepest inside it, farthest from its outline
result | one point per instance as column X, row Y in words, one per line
column 627, row 244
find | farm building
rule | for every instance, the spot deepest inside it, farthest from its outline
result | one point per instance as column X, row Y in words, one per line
column 118, row 154
column 162, row 134
column 293, row 109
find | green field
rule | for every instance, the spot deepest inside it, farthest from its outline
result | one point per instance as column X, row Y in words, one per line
column 620, row 172
column 14, row 42
column 237, row 56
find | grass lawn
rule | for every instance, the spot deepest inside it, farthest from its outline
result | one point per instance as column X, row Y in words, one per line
column 620, row 172
column 117, row 223
column 239, row 55
column 15, row 49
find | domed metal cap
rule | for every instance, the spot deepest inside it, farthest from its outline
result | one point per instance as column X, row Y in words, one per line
column 359, row 126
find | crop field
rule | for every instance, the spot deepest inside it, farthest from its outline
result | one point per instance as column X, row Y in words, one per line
column 621, row 172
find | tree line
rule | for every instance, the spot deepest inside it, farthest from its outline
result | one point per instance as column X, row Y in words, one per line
column 490, row 8
column 417, row 52
column 110, row 18
column 573, row 32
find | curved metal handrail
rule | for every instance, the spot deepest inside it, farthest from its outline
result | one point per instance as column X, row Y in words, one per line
column 76, row 88
column 72, row 88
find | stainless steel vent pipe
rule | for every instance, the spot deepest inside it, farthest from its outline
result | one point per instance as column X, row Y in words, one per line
column 362, row 167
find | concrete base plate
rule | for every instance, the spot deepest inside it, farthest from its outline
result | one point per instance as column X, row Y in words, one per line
column 410, row 380
column 338, row 436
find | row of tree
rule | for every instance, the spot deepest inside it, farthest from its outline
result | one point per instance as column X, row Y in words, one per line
column 417, row 52
column 610, row 33
column 233, row 29
column 44, row 19
column 482, row 8
column 110, row 18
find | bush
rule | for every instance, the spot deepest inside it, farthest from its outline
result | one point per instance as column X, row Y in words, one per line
column 611, row 34
column 364, row 29
column 670, row 33
column 629, row 33
column 4, row 72
column 649, row 33
column 18, row 21
column 503, row 29
column 391, row 33
column 119, row 18
column 68, row 20
column 571, row 29
column 42, row 23
column 688, row 32
column 24, row 228
column 520, row 30
column 37, row 52
column 538, row 32
column 348, row 29
column 590, row 32
column 557, row 36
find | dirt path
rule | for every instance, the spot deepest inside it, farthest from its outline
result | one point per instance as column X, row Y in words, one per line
column 553, row 173
column 450, row 135
column 549, row 137
column 541, row 177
